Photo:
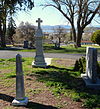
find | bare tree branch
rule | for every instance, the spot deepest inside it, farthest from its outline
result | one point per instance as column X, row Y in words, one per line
column 80, row 11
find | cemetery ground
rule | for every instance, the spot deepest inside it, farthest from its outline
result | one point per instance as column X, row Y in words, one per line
column 56, row 87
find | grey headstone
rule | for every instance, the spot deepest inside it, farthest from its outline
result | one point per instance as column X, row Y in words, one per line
column 39, row 58
column 91, row 65
column 90, row 77
column 20, row 92
column 25, row 44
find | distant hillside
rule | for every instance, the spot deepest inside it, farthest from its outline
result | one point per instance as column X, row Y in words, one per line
column 91, row 29
column 50, row 29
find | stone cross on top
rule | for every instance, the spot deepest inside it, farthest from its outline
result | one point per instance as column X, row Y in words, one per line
column 39, row 21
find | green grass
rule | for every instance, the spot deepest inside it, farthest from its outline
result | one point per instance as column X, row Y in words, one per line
column 66, row 49
column 49, row 48
column 62, row 81
column 59, row 79
column 34, row 91
column 67, row 82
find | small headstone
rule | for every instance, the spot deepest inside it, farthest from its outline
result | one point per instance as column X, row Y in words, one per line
column 30, row 45
column 90, row 77
column 20, row 92
column 39, row 58
column 25, row 44
column 57, row 45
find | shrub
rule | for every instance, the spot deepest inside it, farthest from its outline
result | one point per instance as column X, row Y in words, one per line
column 80, row 65
column 90, row 103
column 96, row 37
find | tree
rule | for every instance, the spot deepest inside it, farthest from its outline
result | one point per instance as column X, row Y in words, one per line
column 25, row 31
column 79, row 13
column 96, row 37
column 8, row 8
column 11, row 30
column 60, row 33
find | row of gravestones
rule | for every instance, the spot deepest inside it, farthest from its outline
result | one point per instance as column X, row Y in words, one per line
column 90, row 77
column 28, row 44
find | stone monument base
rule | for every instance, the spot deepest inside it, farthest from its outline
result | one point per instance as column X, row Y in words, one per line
column 23, row 102
column 39, row 64
column 89, row 83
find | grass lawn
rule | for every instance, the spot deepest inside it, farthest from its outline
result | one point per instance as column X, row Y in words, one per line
column 56, row 85
column 49, row 48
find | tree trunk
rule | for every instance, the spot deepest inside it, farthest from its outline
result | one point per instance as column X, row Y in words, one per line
column 74, row 34
column 3, row 42
column 71, row 36
column 79, row 37
column 0, row 32
column 2, row 36
column 59, row 42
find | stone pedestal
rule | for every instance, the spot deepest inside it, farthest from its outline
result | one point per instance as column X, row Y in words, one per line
column 20, row 93
column 39, row 58
column 89, row 84
column 90, row 77
column 22, row 102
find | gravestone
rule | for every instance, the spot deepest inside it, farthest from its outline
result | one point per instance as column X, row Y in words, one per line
column 57, row 45
column 30, row 46
column 25, row 44
column 39, row 58
column 90, row 77
column 20, row 92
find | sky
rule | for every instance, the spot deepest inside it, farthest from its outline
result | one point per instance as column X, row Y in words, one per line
column 49, row 15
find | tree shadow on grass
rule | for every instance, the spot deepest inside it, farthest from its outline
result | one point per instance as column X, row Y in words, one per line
column 59, row 68
column 30, row 105
column 67, row 49
column 66, row 78
column 81, row 50
column 12, row 48
column 68, row 82
column 7, row 98
column 48, row 48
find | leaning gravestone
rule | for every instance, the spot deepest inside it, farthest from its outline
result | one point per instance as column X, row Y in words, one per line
column 20, row 93
column 25, row 44
column 90, row 77
column 39, row 58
